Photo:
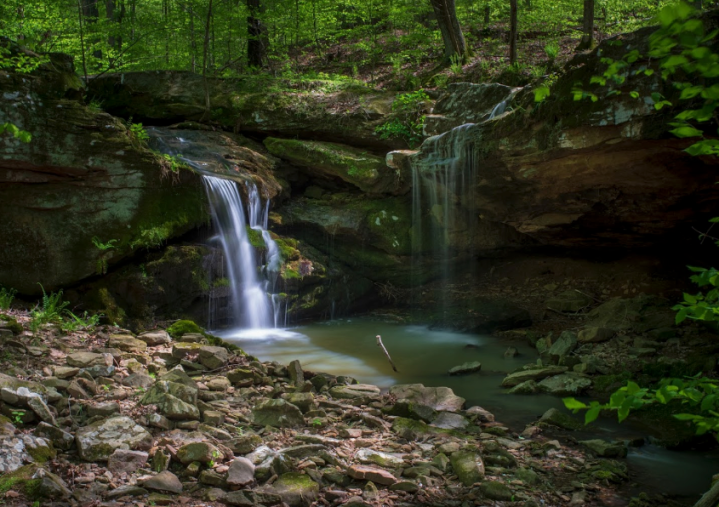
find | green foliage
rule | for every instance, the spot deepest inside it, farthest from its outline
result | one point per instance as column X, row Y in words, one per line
column 455, row 64
column 49, row 310
column 173, row 162
column 698, row 394
column 76, row 323
column 11, row 129
column 103, row 247
column 6, row 298
column 701, row 306
column 408, row 120
column 138, row 132
column 552, row 50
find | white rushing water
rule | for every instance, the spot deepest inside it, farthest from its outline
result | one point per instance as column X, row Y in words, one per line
column 252, row 303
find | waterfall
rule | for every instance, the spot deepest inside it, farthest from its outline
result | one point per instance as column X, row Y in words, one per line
column 442, row 204
column 251, row 305
column 252, row 272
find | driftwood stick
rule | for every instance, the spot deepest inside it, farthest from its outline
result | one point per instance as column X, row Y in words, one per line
column 710, row 498
column 380, row 344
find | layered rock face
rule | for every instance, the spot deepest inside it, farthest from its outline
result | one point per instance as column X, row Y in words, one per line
column 83, row 194
column 568, row 173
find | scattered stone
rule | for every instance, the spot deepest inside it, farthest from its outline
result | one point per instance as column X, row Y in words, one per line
column 297, row 376
column 468, row 466
column 438, row 398
column 204, row 452
column 564, row 345
column 527, row 387
column 49, row 485
column 127, row 490
column 480, row 414
column 359, row 393
column 450, row 421
column 518, row 377
column 126, row 343
column 87, row 359
column 495, row 490
column 219, row 384
column 99, row 440
column 296, row 489
column 138, row 380
column 41, row 410
column 569, row 301
column 105, row 409
column 465, row 368
column 124, row 461
column 594, row 335
column 373, row 474
column 379, row 458
column 304, row 401
column 556, row 418
column 164, row 481
column 606, row 449
column 511, row 352
column 154, row 338
column 65, row 372
column 406, row 486
column 60, row 439
column 241, row 472
column 278, row 413
column 566, row 384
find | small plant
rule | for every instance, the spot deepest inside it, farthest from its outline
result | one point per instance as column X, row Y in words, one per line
column 316, row 422
column 75, row 322
column 95, row 106
column 49, row 310
column 153, row 375
column 12, row 129
column 137, row 130
column 455, row 65
column 6, row 298
column 552, row 50
column 101, row 266
column 408, row 121
column 17, row 416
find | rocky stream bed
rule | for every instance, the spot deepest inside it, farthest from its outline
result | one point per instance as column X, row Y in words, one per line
column 106, row 417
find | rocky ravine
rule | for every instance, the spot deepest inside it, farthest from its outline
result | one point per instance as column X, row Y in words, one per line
column 102, row 416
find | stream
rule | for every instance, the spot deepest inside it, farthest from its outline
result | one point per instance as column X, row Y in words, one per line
column 348, row 347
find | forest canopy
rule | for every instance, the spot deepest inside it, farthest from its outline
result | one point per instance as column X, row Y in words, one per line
column 347, row 37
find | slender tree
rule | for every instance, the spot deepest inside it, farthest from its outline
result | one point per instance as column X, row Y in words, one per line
column 257, row 40
column 588, row 26
column 512, row 32
column 454, row 43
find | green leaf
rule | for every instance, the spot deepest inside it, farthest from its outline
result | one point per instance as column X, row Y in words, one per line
column 632, row 388
column 685, row 417
column 573, row 404
column 634, row 95
column 541, row 93
column 686, row 131
column 648, row 72
column 592, row 415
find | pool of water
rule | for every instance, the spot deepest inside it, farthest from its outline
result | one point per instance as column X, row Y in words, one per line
column 422, row 355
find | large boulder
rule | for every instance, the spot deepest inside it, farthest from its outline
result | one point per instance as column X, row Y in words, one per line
column 277, row 413
column 85, row 193
column 99, row 440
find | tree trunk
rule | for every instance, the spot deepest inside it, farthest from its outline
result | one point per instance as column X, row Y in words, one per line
column 454, row 43
column 205, row 49
column 114, row 13
column 91, row 13
column 588, row 26
column 257, row 41
column 487, row 12
column 512, row 32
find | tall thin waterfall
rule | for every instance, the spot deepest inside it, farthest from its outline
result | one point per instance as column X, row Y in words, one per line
column 442, row 197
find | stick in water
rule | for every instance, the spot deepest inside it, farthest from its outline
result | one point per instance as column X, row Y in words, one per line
column 380, row 344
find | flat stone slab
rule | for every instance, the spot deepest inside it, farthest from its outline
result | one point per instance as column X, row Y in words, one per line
column 441, row 399
column 376, row 475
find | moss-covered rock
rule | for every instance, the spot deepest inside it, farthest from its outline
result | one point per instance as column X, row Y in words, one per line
column 84, row 194
column 181, row 327
column 364, row 170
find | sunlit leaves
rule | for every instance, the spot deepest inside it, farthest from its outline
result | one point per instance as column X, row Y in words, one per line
column 14, row 131
column 541, row 93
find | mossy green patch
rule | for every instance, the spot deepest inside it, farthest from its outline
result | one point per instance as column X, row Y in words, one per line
column 288, row 249
column 12, row 323
column 255, row 237
column 181, row 327
column 41, row 454
column 366, row 171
